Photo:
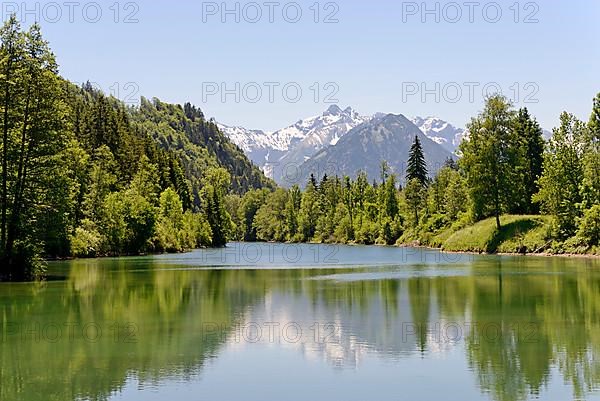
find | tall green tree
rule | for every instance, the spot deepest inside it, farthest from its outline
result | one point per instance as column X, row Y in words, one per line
column 591, row 160
column 291, row 212
column 414, row 194
column 417, row 166
column 33, row 135
column 309, row 212
column 530, row 135
column 216, row 186
column 12, row 54
column 562, row 178
column 251, row 202
column 491, row 156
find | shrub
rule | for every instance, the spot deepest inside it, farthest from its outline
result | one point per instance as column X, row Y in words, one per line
column 87, row 241
column 589, row 226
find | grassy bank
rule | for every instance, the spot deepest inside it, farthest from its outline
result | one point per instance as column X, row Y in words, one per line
column 519, row 234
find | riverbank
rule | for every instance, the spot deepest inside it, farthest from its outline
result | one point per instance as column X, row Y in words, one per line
column 519, row 235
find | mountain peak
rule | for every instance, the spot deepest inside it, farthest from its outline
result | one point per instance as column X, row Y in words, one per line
column 440, row 131
column 333, row 110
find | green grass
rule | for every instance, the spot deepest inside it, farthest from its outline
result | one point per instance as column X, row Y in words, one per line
column 519, row 234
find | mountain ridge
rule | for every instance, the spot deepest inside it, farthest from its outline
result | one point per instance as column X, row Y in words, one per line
column 386, row 138
column 286, row 149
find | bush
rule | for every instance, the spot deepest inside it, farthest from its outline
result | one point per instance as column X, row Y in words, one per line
column 87, row 241
column 589, row 226
column 367, row 233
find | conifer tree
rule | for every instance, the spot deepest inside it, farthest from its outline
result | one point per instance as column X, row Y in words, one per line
column 417, row 167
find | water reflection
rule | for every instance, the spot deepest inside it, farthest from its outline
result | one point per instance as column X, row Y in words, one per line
column 521, row 326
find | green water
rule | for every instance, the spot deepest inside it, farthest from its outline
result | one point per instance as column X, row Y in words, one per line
column 298, row 322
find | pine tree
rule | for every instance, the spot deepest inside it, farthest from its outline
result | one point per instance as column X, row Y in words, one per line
column 417, row 167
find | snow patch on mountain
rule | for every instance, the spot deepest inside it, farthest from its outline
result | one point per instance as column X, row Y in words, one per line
column 441, row 132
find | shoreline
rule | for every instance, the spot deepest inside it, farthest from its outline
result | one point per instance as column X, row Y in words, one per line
column 408, row 245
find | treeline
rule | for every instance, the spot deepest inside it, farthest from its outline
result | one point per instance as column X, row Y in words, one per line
column 84, row 175
column 506, row 167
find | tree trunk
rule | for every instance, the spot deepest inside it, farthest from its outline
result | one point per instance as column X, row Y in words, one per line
column 5, row 148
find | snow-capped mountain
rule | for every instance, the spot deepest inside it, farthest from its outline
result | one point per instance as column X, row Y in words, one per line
column 297, row 142
column 259, row 146
column 441, row 132
column 386, row 138
column 283, row 152
column 314, row 134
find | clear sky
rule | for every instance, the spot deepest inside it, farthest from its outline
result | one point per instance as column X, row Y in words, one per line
column 414, row 58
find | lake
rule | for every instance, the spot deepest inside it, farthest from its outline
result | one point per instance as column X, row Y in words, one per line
column 297, row 322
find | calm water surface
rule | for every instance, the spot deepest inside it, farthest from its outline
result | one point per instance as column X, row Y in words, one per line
column 298, row 322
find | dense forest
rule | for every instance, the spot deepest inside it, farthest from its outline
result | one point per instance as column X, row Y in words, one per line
column 84, row 175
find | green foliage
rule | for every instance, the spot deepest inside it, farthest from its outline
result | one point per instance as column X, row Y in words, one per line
column 562, row 178
column 82, row 173
column 128, row 223
column 417, row 166
column 414, row 195
column 519, row 234
column 269, row 222
column 198, row 144
column 491, row 159
column 250, row 204
column 529, row 133
column 177, row 231
column 455, row 195
column 589, row 226
column 216, row 185
column 87, row 241
column 32, row 135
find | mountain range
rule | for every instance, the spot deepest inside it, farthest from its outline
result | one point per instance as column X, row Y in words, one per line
column 384, row 138
column 286, row 154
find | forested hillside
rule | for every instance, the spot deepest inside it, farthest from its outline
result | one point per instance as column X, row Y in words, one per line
column 198, row 144
column 84, row 175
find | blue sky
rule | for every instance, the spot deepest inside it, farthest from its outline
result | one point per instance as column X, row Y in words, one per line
column 389, row 56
